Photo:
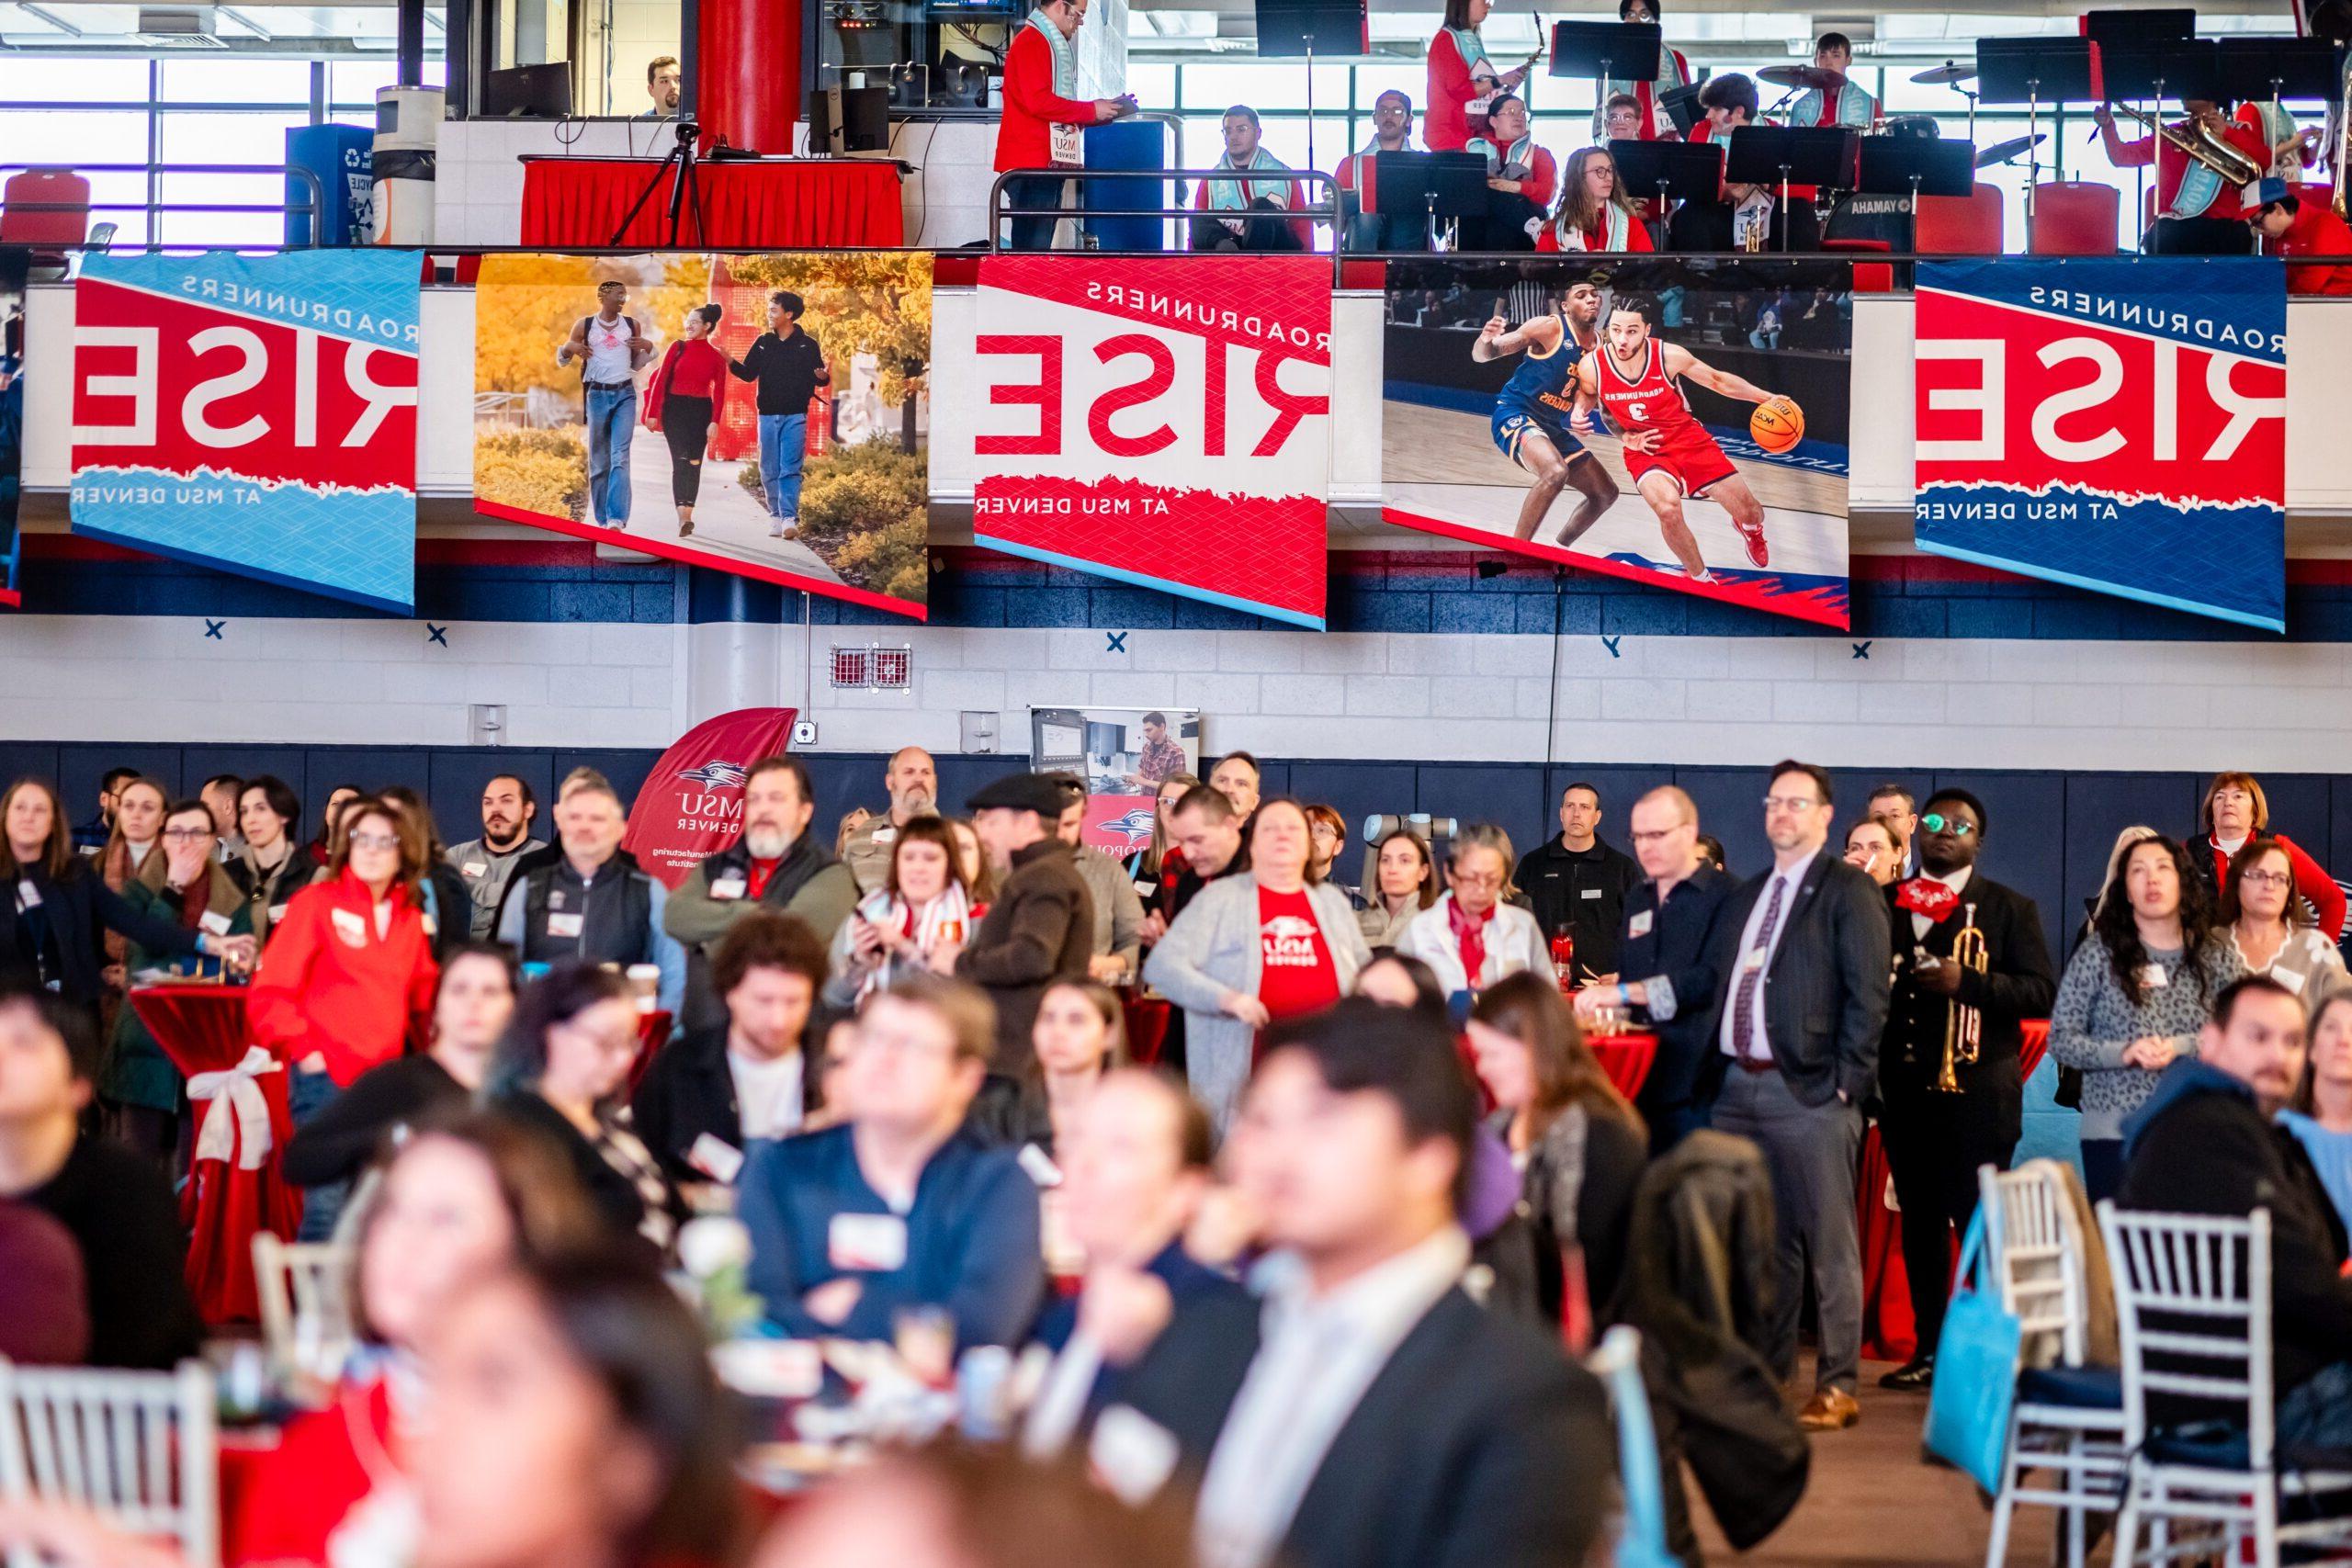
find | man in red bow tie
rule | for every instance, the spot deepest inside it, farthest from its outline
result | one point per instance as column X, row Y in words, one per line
column 1937, row 1137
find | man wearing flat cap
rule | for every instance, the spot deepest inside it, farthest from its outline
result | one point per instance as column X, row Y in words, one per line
column 1040, row 929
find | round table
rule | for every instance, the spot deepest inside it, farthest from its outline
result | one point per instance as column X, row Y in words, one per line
column 234, row 1190
column 1147, row 1020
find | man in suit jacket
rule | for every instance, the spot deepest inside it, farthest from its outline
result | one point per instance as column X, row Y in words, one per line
column 1362, row 1412
column 1801, row 959
column 1936, row 1138
column 707, row 1097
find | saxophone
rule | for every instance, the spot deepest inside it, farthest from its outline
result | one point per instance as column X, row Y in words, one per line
column 2202, row 146
column 1963, row 1025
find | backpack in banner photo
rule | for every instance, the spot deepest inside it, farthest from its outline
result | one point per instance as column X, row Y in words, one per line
column 691, row 806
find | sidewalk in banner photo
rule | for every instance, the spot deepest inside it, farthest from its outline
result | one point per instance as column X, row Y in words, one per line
column 1871, row 1502
column 728, row 520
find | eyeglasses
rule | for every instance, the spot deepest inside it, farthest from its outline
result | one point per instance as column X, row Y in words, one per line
column 1790, row 803
column 1478, row 878
column 185, row 835
column 1935, row 822
column 375, row 841
column 2268, row 879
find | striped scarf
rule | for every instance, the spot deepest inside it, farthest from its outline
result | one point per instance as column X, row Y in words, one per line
column 1237, row 195
column 1515, row 164
column 1615, row 227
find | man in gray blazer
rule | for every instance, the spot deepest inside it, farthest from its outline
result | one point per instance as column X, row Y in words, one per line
column 1803, row 955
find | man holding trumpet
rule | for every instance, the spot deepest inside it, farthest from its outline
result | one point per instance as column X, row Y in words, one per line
column 1970, row 968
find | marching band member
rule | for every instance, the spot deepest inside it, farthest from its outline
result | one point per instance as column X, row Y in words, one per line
column 2198, row 211
column 1849, row 105
column 2294, row 227
column 1043, row 118
column 1969, row 966
column 1520, row 176
column 1593, row 214
column 1212, row 231
column 1653, row 123
column 1392, row 129
column 1461, row 79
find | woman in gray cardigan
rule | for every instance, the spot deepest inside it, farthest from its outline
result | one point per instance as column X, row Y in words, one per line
column 2135, row 994
column 1211, row 962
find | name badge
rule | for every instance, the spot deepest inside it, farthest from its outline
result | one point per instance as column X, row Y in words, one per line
column 1040, row 1166
column 885, row 835
column 1639, row 925
column 214, row 921
column 474, row 868
column 727, row 888
column 276, row 913
column 352, row 928
column 1589, row 893
column 717, row 1159
column 564, row 925
column 2153, row 976
column 873, row 1244
column 1145, row 889
column 1067, row 148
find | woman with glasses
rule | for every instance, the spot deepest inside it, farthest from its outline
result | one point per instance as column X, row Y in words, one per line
column 2270, row 929
column 348, row 979
column 145, row 1098
column 1472, row 937
column 2233, row 814
column 563, row 1070
column 1327, row 837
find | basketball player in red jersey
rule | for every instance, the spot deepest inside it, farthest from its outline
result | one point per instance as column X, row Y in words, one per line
column 1666, row 450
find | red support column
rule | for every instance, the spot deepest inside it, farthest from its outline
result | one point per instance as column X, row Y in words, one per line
column 748, row 62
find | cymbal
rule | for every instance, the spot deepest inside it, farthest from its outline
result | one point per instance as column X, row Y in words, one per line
column 2002, row 152
column 1800, row 77
column 1950, row 74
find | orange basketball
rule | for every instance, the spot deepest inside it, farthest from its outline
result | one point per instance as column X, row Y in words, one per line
column 1777, row 424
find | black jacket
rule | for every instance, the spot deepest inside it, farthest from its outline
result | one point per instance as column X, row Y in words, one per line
column 77, row 911
column 1039, row 929
column 353, row 1128
column 2018, row 984
column 1582, row 892
column 1824, row 993
column 689, row 1091
column 1677, row 945
column 134, row 1254
column 2201, row 1145
column 1475, row 1446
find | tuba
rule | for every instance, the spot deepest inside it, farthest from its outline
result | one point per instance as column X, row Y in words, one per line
column 2201, row 146
column 1963, row 1025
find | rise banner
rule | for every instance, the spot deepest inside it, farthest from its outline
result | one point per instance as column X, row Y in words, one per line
column 764, row 415
column 1679, row 424
column 1161, row 421
column 253, row 413
column 691, row 805
column 2117, row 425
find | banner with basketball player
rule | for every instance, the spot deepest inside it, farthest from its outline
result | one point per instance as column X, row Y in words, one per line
column 763, row 415
column 1161, row 421
column 2119, row 425
column 1673, row 422
column 1126, row 757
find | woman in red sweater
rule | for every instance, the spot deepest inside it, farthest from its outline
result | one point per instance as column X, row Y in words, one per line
column 1461, row 79
column 685, row 401
column 459, row 1203
column 1041, row 122
column 347, row 979
column 2235, row 811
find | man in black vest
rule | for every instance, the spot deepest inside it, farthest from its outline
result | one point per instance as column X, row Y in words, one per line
column 1937, row 1137
column 1578, row 883
column 774, row 866
column 592, row 906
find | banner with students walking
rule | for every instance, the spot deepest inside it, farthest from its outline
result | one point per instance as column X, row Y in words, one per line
column 2117, row 425
column 1164, row 422
column 14, row 260
column 1678, row 423
column 766, row 415
column 253, row 413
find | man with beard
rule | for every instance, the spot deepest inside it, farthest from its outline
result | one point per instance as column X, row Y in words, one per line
column 1964, row 1005
column 774, row 866
column 912, row 779
column 488, row 864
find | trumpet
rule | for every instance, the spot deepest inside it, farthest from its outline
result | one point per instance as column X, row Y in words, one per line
column 1963, row 1025
column 2201, row 146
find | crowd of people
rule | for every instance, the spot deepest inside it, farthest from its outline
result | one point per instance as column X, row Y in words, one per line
column 1295, row 1282
column 1537, row 198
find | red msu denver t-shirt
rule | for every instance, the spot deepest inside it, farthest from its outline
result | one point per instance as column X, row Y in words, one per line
column 1295, row 974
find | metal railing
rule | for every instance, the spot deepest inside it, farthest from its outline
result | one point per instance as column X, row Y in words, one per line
column 1325, row 211
column 311, row 207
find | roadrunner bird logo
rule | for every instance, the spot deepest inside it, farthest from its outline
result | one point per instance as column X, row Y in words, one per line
column 716, row 776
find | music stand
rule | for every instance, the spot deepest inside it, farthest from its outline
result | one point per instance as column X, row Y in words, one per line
column 1289, row 30
column 1681, row 106
column 1607, row 50
column 1807, row 155
column 2186, row 68
column 1428, row 186
column 1683, row 171
column 2277, row 68
column 2127, row 29
column 2032, row 71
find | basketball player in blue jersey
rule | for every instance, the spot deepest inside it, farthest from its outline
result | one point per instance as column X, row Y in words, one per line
column 1536, row 412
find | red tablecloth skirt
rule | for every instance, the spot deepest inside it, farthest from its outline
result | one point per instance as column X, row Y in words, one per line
column 1147, row 1028
column 1626, row 1059
column 226, row 1202
column 773, row 204
column 652, row 1029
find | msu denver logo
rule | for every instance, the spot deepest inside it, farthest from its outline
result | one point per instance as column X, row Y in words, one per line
column 1135, row 825
column 716, row 776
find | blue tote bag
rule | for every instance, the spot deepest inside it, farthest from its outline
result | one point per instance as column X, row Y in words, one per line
column 1976, row 1372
